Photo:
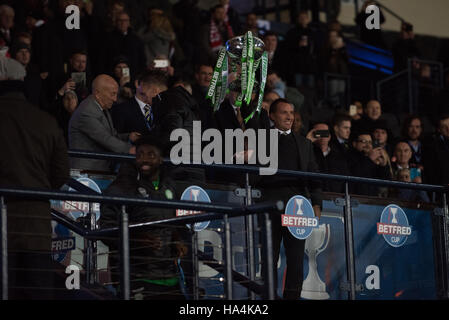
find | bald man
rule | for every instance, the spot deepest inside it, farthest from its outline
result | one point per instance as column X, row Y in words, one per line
column 91, row 127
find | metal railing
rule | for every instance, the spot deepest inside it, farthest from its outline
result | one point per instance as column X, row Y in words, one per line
column 220, row 210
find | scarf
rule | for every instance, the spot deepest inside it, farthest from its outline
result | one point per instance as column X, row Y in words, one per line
column 216, row 41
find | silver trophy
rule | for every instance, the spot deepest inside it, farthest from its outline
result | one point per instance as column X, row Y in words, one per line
column 313, row 287
column 299, row 204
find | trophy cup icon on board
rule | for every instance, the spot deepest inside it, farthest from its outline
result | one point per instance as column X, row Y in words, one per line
column 394, row 211
column 313, row 287
column 299, row 205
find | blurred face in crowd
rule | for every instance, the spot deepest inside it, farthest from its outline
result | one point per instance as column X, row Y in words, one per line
column 146, row 92
column 404, row 175
column 303, row 19
column 343, row 130
column 414, row 129
column 444, row 127
column 381, row 135
column 283, row 117
column 270, row 97
column 333, row 37
column 23, row 56
column 271, row 43
column 403, row 153
column 78, row 62
column 70, row 102
column 219, row 15
column 373, row 110
column 204, row 75
column 148, row 160
column 323, row 143
column 123, row 22
column 272, row 79
column 105, row 90
column 251, row 20
column 364, row 143
column 24, row 39
column 118, row 69
column 6, row 17
column 297, row 123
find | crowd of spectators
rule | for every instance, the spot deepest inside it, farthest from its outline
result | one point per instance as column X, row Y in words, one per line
column 127, row 54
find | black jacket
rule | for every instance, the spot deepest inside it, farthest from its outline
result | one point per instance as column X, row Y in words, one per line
column 33, row 155
column 334, row 163
column 146, row 262
column 435, row 160
column 362, row 166
column 128, row 117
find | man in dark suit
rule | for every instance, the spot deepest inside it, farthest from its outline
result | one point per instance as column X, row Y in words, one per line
column 6, row 25
column 137, row 114
column 341, row 132
column 34, row 155
column 91, row 127
column 294, row 153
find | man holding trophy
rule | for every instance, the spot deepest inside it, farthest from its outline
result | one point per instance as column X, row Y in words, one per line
column 242, row 57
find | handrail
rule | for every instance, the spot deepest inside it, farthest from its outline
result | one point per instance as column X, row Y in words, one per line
column 394, row 14
column 280, row 172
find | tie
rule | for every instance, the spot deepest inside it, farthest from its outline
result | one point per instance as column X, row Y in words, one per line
column 148, row 116
column 240, row 119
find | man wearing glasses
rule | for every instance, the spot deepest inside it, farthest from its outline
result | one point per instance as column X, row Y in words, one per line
column 368, row 161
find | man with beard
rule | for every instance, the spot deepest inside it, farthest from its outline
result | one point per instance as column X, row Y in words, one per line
column 154, row 252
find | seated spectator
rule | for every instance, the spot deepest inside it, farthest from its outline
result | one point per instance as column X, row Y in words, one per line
column 329, row 160
column 203, row 76
column 6, row 25
column 121, row 74
column 404, row 48
column 370, row 36
column 341, row 125
column 436, row 154
column 268, row 98
column 403, row 175
column 76, row 76
column 303, row 66
column 401, row 160
column 123, row 41
column 412, row 131
column 334, row 59
column 232, row 17
column 64, row 110
column 251, row 24
column 154, row 252
column 214, row 34
column 158, row 36
column 21, row 52
column 274, row 52
column 91, row 127
column 278, row 85
column 372, row 113
column 382, row 136
column 297, row 123
column 364, row 161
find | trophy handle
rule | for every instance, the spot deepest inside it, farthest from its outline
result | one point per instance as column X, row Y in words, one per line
column 328, row 232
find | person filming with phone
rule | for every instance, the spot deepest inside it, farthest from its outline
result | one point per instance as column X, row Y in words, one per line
column 330, row 160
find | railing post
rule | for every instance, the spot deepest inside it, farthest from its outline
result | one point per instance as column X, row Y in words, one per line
column 228, row 260
column 195, row 262
column 446, row 240
column 91, row 248
column 124, row 255
column 267, row 258
column 349, row 243
column 4, row 249
column 250, row 236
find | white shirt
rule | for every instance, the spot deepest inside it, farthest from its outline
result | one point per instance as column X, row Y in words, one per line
column 326, row 153
column 341, row 140
column 142, row 105
column 284, row 132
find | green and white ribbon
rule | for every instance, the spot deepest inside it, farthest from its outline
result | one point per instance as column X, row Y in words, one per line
column 263, row 80
column 250, row 68
column 217, row 86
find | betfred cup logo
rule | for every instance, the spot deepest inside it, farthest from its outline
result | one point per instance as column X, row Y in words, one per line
column 194, row 193
column 394, row 226
column 299, row 217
